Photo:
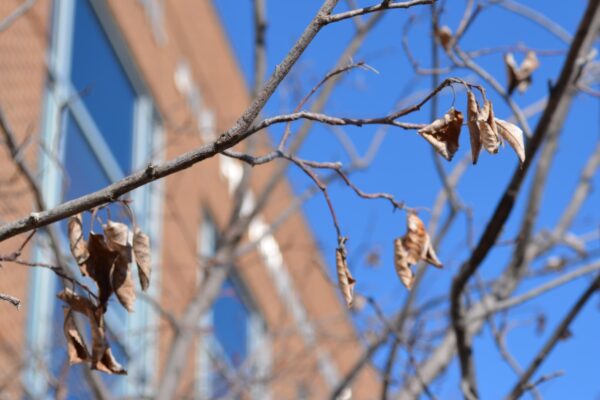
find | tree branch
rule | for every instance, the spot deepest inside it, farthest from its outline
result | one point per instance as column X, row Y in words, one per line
column 549, row 124
column 522, row 383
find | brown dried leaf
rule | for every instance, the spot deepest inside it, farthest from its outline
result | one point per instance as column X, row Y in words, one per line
column 474, row 134
column 416, row 239
column 416, row 242
column 514, row 136
column 489, row 136
column 122, row 283
column 99, row 265
column 512, row 72
column 77, row 243
column 401, row 263
column 101, row 356
column 520, row 77
column 76, row 348
column 76, row 302
column 99, row 343
column 109, row 365
column 117, row 235
column 141, row 249
column 345, row 279
column 431, row 257
column 530, row 64
column 443, row 133
column 444, row 36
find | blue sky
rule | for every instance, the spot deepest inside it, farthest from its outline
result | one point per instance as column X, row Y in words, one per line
column 404, row 167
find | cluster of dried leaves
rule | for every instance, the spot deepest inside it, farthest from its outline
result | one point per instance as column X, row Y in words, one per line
column 106, row 259
column 413, row 247
column 485, row 131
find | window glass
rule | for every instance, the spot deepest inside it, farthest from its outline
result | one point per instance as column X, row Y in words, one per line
column 85, row 174
column 99, row 77
column 230, row 323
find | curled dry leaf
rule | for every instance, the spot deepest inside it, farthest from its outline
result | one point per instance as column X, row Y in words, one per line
column 430, row 256
column 443, row 133
column 76, row 348
column 412, row 248
column 101, row 355
column 487, row 128
column 99, row 265
column 416, row 239
column 122, row 282
column 444, row 36
column 345, row 279
column 474, row 134
column 141, row 250
column 77, row 243
column 513, row 135
column 109, row 364
column 75, row 301
column 117, row 238
column 417, row 242
column 401, row 264
column 520, row 77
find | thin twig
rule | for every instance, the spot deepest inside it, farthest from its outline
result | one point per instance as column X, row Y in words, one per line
column 558, row 333
column 16, row 14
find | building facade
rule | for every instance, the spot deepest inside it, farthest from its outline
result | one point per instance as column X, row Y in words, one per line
column 95, row 90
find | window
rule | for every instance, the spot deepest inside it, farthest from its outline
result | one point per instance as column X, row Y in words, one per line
column 107, row 128
column 233, row 356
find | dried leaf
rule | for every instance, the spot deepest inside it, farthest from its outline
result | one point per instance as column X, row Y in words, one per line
column 76, row 348
column 77, row 243
column 109, row 365
column 141, row 249
column 117, row 235
column 416, row 239
column 431, row 257
column 345, row 279
column 513, row 135
column 401, row 263
column 99, row 265
column 122, row 283
column 443, row 133
column 444, row 36
column 76, row 302
column 520, row 77
column 474, row 134
column 101, row 355
column 489, row 137
column 512, row 71
column 412, row 248
column 530, row 64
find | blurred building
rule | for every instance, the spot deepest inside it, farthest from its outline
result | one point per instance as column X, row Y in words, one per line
column 97, row 89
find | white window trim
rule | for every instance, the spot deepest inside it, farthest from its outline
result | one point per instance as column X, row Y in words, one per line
column 148, row 199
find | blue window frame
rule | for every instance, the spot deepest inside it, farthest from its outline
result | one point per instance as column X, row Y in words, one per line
column 107, row 128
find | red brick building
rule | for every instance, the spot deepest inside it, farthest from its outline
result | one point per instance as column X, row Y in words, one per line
column 97, row 89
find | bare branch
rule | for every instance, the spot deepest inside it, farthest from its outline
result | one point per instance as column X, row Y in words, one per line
column 522, row 383
column 548, row 126
column 16, row 14
column 11, row 299
column 384, row 5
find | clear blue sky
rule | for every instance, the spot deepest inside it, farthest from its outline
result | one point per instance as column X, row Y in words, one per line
column 404, row 168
